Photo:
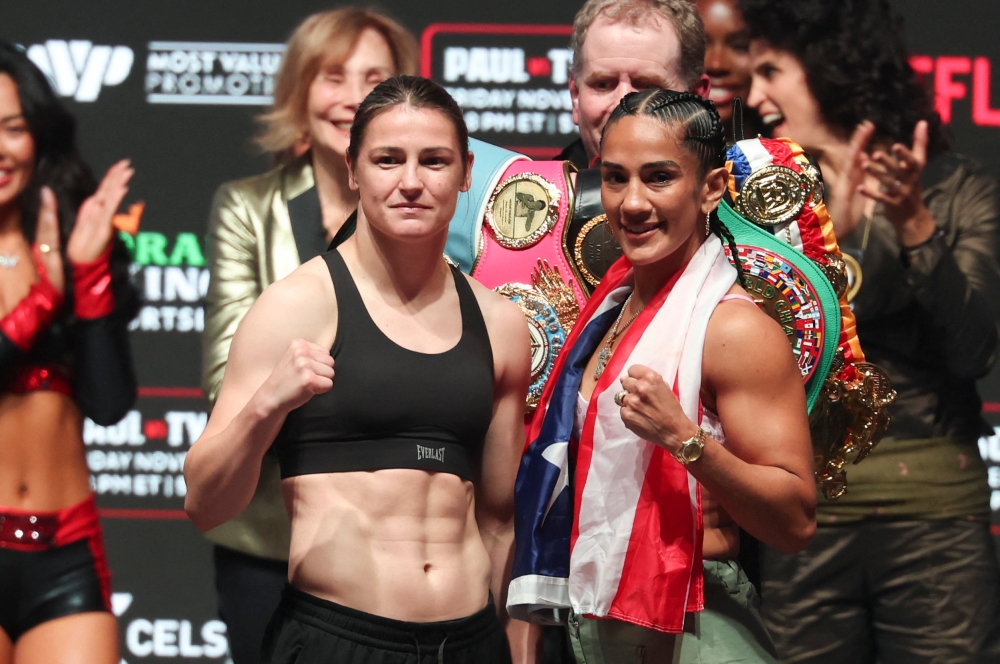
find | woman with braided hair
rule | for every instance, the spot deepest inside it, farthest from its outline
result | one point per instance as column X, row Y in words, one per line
column 678, row 436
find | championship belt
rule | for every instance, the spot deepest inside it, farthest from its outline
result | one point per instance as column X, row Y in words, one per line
column 521, row 256
column 795, row 271
column 511, row 237
column 590, row 246
column 509, row 233
column 464, row 231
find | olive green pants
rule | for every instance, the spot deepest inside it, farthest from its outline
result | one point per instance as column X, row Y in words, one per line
column 729, row 630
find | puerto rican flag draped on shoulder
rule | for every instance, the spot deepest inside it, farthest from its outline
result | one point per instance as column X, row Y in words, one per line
column 610, row 524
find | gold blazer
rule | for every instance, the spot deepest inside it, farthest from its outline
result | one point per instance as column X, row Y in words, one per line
column 251, row 244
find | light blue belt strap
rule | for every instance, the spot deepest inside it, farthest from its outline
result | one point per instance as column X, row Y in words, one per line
column 463, row 234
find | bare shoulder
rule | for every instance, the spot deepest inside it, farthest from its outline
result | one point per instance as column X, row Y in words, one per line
column 302, row 305
column 501, row 315
column 740, row 336
column 505, row 324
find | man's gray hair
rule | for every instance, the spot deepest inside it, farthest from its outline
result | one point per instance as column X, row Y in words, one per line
column 682, row 15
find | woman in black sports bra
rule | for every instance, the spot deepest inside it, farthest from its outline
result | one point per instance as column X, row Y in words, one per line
column 392, row 388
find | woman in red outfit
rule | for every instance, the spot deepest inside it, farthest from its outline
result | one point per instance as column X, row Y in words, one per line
column 64, row 307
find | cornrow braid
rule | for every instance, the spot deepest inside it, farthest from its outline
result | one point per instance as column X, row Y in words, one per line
column 716, row 226
column 704, row 135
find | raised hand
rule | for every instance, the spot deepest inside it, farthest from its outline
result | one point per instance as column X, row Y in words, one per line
column 845, row 206
column 93, row 228
column 46, row 249
column 305, row 370
column 899, row 190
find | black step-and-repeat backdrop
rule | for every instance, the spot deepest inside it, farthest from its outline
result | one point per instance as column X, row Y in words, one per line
column 175, row 86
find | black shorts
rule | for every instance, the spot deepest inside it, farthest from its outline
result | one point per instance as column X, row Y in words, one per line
column 38, row 586
column 307, row 629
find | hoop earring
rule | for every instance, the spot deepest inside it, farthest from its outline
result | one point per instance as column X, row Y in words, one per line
column 708, row 224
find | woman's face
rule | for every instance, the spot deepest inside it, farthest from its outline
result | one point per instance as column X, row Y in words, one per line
column 17, row 146
column 653, row 193
column 781, row 95
column 409, row 171
column 339, row 88
column 727, row 55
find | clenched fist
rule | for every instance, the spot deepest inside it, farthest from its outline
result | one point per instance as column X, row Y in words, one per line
column 650, row 410
column 304, row 370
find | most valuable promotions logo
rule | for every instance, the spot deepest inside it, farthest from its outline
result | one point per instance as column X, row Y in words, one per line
column 211, row 73
column 78, row 69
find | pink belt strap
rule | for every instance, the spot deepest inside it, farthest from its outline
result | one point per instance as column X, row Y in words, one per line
column 522, row 256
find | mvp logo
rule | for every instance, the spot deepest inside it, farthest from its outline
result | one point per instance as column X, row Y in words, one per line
column 79, row 69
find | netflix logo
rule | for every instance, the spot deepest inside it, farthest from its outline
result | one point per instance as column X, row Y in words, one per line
column 952, row 76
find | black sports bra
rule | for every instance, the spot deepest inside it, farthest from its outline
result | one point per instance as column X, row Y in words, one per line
column 391, row 407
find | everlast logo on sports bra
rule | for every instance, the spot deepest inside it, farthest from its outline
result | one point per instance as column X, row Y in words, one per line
column 430, row 453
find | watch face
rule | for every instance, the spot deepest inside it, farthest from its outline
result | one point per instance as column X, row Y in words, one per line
column 691, row 452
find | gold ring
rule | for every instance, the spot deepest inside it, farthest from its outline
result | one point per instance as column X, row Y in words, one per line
column 620, row 397
column 44, row 248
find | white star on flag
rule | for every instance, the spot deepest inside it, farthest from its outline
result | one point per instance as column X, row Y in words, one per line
column 556, row 455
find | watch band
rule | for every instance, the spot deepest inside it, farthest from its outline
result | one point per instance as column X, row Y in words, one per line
column 691, row 449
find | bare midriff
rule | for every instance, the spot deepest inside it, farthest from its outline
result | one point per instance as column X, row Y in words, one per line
column 402, row 544
column 722, row 535
column 42, row 462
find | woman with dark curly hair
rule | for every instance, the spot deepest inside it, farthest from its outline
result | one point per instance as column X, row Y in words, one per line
column 64, row 306
column 903, row 567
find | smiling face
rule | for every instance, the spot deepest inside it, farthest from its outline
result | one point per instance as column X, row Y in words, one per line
column 727, row 56
column 654, row 193
column 409, row 170
column 780, row 94
column 618, row 58
column 17, row 146
column 340, row 87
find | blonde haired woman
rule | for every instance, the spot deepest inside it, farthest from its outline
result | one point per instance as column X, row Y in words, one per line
column 260, row 229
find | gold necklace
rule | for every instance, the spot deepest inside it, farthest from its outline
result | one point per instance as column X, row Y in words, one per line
column 605, row 355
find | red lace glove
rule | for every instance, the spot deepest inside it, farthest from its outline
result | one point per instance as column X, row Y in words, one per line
column 34, row 313
column 92, row 294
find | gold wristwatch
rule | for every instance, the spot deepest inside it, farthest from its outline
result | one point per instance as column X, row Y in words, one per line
column 691, row 448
